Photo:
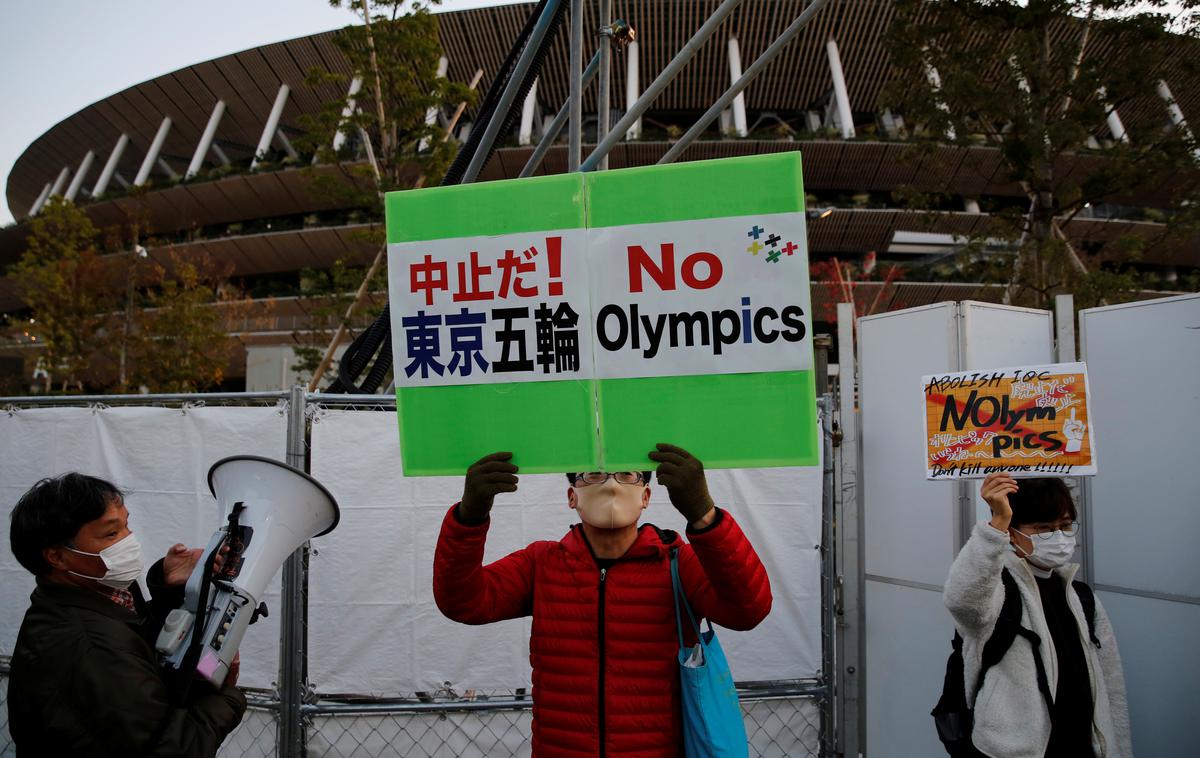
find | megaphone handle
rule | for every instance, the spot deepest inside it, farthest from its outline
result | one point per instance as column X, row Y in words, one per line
column 187, row 667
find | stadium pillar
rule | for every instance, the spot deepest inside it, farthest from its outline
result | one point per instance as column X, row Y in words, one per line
column 739, row 102
column 152, row 154
column 339, row 137
column 210, row 131
column 1173, row 110
column 935, row 81
column 632, row 88
column 264, row 141
column 110, row 166
column 1114, row 120
column 525, row 134
column 845, row 115
column 61, row 181
column 84, row 166
column 431, row 113
column 41, row 200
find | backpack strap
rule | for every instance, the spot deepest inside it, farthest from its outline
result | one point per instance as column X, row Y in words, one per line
column 1088, row 601
column 1008, row 626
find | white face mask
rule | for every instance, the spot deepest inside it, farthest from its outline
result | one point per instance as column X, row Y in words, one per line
column 122, row 563
column 1050, row 552
column 610, row 504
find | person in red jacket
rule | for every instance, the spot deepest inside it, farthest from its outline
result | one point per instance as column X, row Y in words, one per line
column 603, row 646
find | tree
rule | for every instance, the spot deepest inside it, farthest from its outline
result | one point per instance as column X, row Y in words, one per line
column 395, row 52
column 1037, row 81
column 183, row 344
column 329, row 291
column 69, row 289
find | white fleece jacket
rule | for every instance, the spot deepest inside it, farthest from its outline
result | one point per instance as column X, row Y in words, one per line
column 1011, row 717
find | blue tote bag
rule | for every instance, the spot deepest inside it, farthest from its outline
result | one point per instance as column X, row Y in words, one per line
column 712, row 717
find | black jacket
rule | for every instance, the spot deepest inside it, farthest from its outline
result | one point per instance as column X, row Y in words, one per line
column 86, row 681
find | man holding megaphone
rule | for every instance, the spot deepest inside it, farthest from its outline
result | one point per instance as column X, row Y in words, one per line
column 85, row 676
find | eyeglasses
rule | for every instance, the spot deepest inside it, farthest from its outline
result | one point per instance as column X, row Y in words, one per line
column 1043, row 532
column 599, row 477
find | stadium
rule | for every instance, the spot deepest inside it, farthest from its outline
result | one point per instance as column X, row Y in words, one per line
column 206, row 155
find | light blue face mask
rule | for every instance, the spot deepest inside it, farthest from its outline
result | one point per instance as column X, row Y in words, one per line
column 122, row 563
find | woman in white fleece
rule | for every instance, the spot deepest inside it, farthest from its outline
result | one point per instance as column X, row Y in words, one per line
column 1032, row 534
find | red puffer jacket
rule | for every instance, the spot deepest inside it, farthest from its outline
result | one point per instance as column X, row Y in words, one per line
column 603, row 646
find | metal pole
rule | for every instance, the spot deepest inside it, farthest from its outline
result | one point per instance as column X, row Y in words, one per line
column 110, row 167
column 660, row 83
column 210, row 131
column 575, row 72
column 557, row 124
column 293, row 661
column 152, row 154
column 755, row 69
column 84, row 166
column 268, row 132
column 510, row 91
column 603, row 95
column 828, row 575
column 850, row 641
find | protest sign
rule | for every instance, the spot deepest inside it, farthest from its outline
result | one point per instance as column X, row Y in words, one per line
column 1026, row 421
column 577, row 320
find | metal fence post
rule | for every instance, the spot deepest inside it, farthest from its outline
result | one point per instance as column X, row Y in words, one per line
column 828, row 575
column 293, row 632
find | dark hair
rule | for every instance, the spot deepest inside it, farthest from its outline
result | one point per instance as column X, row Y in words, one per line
column 1042, row 500
column 52, row 512
column 645, row 477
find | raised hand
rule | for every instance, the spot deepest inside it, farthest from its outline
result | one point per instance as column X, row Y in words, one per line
column 995, row 491
column 486, row 478
column 683, row 476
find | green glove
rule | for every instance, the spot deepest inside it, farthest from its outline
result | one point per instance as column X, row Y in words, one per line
column 487, row 477
column 683, row 476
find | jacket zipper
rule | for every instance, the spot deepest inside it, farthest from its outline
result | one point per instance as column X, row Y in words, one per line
column 603, row 576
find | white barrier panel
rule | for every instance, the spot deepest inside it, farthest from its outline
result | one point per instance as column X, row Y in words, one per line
column 1144, row 361
column 373, row 625
column 912, row 527
column 160, row 458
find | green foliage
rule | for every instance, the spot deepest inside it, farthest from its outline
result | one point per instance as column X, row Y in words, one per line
column 68, row 287
column 184, row 344
column 328, row 294
column 397, row 56
column 1024, row 78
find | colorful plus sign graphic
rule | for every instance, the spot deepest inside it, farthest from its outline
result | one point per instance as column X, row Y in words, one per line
column 771, row 243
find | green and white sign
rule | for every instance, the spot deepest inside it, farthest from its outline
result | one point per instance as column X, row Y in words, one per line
column 579, row 319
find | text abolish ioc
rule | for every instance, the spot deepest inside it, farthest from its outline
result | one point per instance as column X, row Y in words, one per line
column 620, row 327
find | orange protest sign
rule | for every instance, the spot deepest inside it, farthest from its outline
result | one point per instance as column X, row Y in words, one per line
column 1027, row 421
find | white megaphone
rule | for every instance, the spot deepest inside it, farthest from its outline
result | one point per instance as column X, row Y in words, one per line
column 271, row 509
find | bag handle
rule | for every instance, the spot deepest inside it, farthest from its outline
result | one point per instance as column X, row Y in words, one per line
column 677, row 592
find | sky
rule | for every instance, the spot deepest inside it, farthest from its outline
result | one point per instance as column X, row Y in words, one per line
column 58, row 57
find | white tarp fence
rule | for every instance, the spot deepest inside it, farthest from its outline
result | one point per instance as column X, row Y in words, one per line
column 373, row 625
column 160, row 457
